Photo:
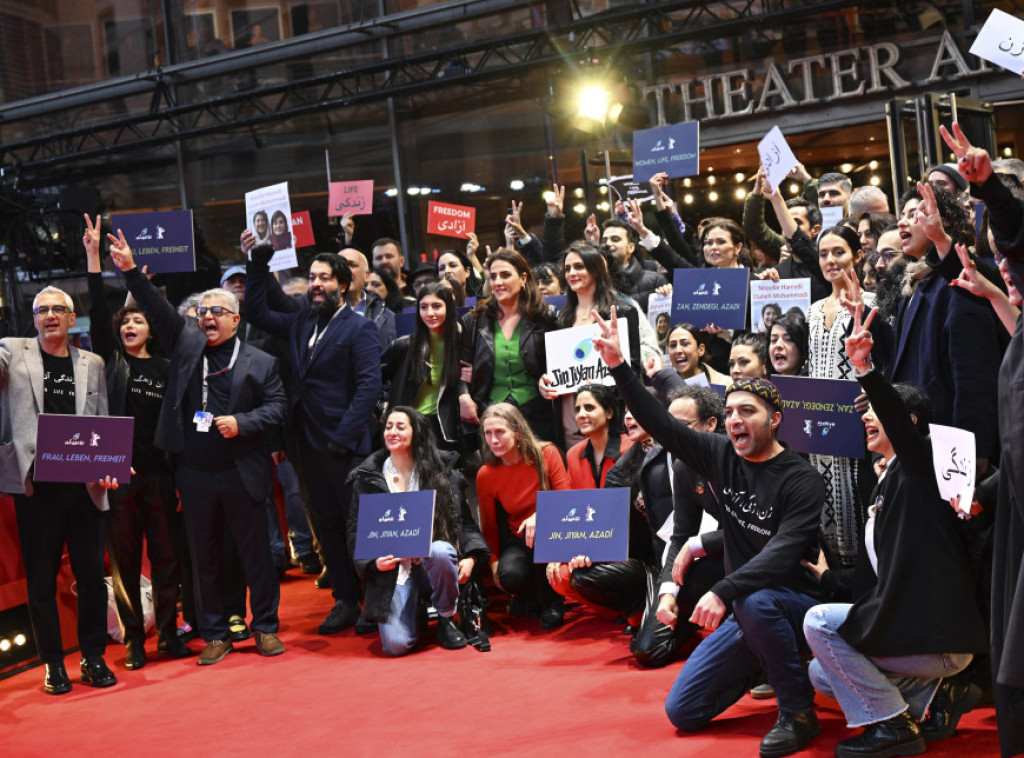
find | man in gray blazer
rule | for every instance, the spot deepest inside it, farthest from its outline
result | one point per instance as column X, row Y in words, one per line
column 46, row 375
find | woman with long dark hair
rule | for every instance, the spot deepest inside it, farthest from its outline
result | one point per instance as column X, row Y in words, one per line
column 280, row 234
column 503, row 352
column 423, row 367
column 516, row 466
column 409, row 462
column 589, row 289
column 386, row 288
column 788, row 345
column 455, row 264
column 146, row 506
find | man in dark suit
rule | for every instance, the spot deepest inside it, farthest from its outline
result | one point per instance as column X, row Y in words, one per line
column 335, row 357
column 46, row 375
column 222, row 396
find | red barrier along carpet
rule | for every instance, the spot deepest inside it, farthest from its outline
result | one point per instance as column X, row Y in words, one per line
column 571, row 692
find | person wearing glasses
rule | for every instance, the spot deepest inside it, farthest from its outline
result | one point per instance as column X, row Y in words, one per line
column 336, row 383
column 45, row 374
column 222, row 396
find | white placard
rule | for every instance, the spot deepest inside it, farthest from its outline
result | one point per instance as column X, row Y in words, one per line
column 1001, row 41
column 572, row 360
column 270, row 203
column 776, row 157
column 784, row 295
column 954, row 458
column 659, row 314
column 699, row 379
column 831, row 215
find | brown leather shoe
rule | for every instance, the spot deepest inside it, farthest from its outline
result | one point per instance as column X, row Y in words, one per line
column 268, row 643
column 214, row 652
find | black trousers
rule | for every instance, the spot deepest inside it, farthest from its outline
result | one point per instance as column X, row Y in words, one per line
column 621, row 586
column 655, row 643
column 212, row 503
column 144, row 508
column 520, row 576
column 330, row 498
column 53, row 515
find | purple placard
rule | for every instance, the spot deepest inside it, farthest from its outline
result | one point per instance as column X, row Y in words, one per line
column 703, row 296
column 819, row 416
column 161, row 240
column 83, row 448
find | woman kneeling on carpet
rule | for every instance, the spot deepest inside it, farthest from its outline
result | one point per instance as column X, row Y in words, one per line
column 516, row 466
column 914, row 619
column 411, row 461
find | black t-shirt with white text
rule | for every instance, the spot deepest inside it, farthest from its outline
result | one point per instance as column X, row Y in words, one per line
column 144, row 394
column 58, row 384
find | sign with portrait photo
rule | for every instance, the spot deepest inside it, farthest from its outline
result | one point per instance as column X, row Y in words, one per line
column 268, row 214
column 770, row 301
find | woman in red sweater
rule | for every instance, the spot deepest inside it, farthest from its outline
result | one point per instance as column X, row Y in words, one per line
column 516, row 466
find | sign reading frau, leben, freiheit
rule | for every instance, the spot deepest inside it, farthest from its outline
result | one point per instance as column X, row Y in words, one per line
column 83, row 448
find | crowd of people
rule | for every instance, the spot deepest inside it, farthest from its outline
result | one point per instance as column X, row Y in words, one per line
column 847, row 576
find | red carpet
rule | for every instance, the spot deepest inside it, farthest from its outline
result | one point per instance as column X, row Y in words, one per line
column 574, row 691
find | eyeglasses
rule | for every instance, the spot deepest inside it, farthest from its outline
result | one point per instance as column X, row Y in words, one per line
column 56, row 310
column 214, row 310
column 886, row 255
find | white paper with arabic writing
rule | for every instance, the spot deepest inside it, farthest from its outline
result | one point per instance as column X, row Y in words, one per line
column 1001, row 41
column 954, row 459
column 776, row 157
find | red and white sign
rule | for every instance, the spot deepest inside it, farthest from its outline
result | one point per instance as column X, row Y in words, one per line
column 302, row 229
column 450, row 220
column 351, row 197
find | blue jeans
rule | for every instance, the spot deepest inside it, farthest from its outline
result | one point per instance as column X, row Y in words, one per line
column 437, row 575
column 299, row 533
column 762, row 633
column 872, row 689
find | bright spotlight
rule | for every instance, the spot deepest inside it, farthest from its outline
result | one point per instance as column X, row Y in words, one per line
column 391, row 192
column 875, row 181
column 5, row 645
column 740, row 176
column 580, row 208
column 688, row 198
column 578, row 192
column 741, row 193
column 687, row 182
column 413, row 190
column 846, row 168
column 712, row 196
column 593, row 102
column 603, row 205
column 711, row 180
column 603, row 189
column 1007, row 151
column 19, row 639
column 548, row 196
column 794, row 188
column 516, row 185
column 873, row 165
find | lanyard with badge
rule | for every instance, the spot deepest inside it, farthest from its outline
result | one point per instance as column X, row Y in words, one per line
column 203, row 419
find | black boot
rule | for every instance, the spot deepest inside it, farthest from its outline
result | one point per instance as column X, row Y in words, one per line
column 791, row 733
column 56, row 682
column 896, row 736
column 955, row 697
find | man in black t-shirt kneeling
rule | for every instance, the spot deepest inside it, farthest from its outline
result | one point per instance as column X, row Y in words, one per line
column 770, row 502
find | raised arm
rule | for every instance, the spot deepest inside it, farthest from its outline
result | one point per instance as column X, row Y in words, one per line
column 101, row 333
column 163, row 317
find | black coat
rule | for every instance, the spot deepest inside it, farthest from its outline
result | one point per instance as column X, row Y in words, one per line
column 922, row 600
column 257, row 398
column 367, row 479
column 395, row 369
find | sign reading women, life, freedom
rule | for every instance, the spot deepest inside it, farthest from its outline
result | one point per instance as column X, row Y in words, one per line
column 777, row 157
column 594, row 523
column 818, row 416
column 954, row 458
column 673, row 149
column 268, row 212
column 162, row 241
column 83, row 448
column 702, row 296
column 573, row 361
column 400, row 524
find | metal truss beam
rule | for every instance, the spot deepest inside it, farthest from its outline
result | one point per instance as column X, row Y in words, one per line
column 171, row 117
